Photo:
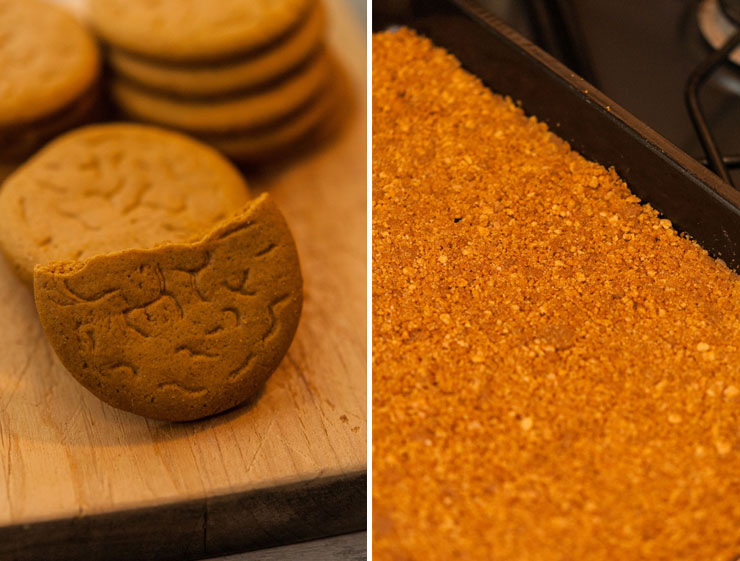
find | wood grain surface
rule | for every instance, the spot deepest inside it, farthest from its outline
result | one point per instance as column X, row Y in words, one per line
column 349, row 547
column 79, row 479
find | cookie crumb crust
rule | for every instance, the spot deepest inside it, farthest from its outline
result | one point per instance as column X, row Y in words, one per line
column 555, row 369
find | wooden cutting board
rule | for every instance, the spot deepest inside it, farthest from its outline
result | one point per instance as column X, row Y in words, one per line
column 81, row 480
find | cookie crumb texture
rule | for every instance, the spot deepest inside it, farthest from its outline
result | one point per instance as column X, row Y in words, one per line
column 555, row 370
column 181, row 331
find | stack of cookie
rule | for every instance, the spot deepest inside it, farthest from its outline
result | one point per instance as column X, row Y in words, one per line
column 50, row 67
column 252, row 78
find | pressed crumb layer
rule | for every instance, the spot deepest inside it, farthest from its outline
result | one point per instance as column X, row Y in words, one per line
column 556, row 372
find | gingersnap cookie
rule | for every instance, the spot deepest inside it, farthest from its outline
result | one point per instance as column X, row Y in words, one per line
column 266, row 143
column 111, row 187
column 193, row 30
column 228, row 76
column 226, row 113
column 19, row 142
column 184, row 330
column 47, row 59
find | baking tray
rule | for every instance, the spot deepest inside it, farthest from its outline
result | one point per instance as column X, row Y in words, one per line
column 696, row 201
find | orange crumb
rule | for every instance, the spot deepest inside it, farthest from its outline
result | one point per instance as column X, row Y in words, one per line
column 555, row 369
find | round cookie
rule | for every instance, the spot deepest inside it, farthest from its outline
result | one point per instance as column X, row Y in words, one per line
column 229, row 76
column 111, row 187
column 18, row 143
column 228, row 113
column 195, row 30
column 47, row 58
column 266, row 143
column 181, row 331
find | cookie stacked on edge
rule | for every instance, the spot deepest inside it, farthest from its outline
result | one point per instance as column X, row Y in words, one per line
column 252, row 78
column 163, row 289
column 49, row 80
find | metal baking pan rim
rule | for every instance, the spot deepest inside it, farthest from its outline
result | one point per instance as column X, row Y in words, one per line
column 612, row 109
